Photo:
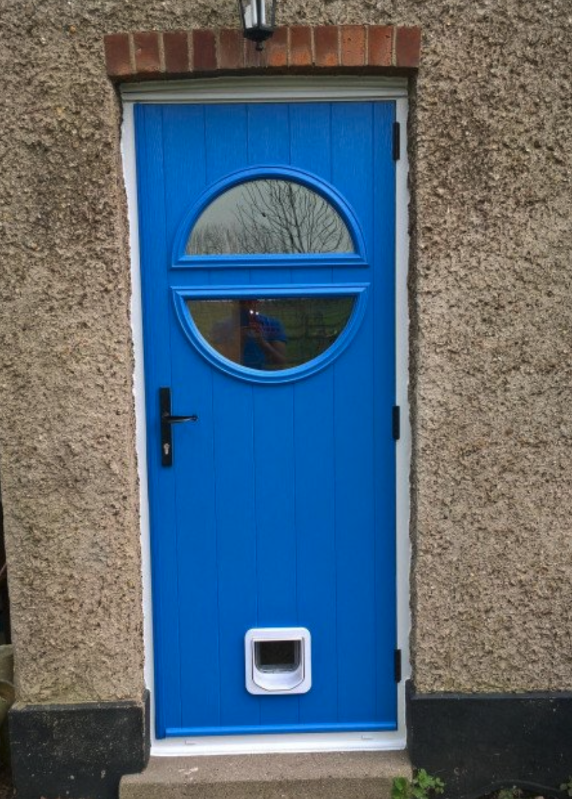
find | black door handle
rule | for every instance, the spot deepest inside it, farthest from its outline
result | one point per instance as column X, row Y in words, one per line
column 166, row 421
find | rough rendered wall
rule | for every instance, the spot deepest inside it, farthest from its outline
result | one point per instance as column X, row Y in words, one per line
column 491, row 287
column 493, row 348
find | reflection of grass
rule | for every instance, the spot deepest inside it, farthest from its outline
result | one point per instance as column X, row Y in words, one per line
column 312, row 324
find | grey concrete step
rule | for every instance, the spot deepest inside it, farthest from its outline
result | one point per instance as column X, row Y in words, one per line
column 332, row 775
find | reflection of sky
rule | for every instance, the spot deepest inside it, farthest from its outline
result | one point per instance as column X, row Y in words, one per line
column 221, row 221
column 223, row 210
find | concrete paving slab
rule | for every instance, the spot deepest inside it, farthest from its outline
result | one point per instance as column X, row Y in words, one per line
column 332, row 775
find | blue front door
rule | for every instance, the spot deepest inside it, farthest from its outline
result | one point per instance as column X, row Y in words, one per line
column 267, row 250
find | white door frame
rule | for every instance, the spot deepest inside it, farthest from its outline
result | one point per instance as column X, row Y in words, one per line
column 278, row 89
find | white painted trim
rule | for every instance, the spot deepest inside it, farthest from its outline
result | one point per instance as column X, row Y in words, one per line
column 261, row 89
column 403, row 449
column 130, row 174
column 268, row 744
column 299, row 742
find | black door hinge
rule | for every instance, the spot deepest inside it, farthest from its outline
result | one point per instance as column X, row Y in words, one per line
column 397, row 665
column 396, row 141
column 396, row 422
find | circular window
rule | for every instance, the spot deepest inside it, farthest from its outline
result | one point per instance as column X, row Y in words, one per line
column 283, row 328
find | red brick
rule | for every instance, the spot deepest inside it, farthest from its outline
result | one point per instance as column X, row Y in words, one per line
column 147, row 59
column 204, row 50
column 326, row 43
column 277, row 48
column 231, row 49
column 254, row 57
column 176, row 46
column 353, row 45
column 300, row 46
column 380, row 45
column 117, row 56
column 407, row 47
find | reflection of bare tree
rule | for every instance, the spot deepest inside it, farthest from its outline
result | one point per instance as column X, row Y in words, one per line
column 272, row 216
column 212, row 239
column 280, row 216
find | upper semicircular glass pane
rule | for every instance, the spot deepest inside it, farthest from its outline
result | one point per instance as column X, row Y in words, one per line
column 269, row 216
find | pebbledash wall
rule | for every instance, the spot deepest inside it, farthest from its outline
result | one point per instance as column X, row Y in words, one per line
column 490, row 145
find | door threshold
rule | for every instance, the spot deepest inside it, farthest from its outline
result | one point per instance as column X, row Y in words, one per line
column 279, row 744
column 306, row 776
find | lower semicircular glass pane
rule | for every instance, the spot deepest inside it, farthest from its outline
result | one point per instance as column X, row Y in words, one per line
column 271, row 334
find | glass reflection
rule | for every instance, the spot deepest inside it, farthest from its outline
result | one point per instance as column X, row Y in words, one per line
column 271, row 334
column 269, row 216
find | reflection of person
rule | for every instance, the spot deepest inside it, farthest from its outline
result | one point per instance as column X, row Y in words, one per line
column 250, row 338
column 263, row 338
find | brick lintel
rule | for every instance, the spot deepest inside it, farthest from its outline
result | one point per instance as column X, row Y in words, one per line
column 139, row 55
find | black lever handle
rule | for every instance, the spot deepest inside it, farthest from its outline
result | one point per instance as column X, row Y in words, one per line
column 167, row 419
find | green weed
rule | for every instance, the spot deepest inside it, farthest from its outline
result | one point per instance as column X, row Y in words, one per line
column 422, row 786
